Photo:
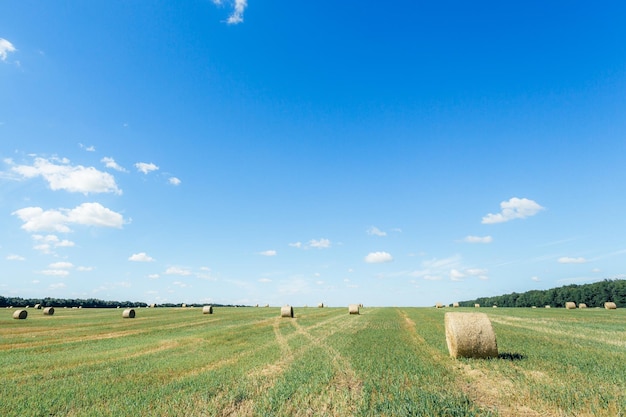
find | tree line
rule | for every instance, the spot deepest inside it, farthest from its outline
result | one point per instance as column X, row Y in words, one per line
column 88, row 303
column 594, row 295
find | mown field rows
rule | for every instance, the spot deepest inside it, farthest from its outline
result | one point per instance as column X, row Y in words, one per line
column 324, row 362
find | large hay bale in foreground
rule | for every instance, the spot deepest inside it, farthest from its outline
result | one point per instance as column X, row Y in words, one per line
column 470, row 335
column 20, row 314
column 129, row 313
column 353, row 309
column 609, row 305
column 48, row 311
column 207, row 310
column 582, row 305
column 286, row 311
column 570, row 305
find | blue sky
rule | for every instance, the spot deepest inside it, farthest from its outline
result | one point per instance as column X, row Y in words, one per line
column 305, row 152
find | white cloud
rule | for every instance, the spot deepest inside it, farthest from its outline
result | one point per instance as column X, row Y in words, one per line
column 536, row 279
column 140, row 257
column 375, row 231
column 296, row 244
column 175, row 270
column 14, row 257
column 5, row 48
column 56, row 272
column 478, row 239
column 84, row 268
column 378, row 257
column 320, row 244
column 456, row 275
column 110, row 163
column 515, row 208
column 87, row 148
column 47, row 242
column 265, row 280
column 145, row 167
column 568, row 260
column 62, row 176
column 57, row 286
column 61, row 265
column 237, row 15
column 174, row 181
column 268, row 253
column 89, row 214
column 153, row 276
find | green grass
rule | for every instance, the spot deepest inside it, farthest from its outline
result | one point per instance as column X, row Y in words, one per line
column 323, row 362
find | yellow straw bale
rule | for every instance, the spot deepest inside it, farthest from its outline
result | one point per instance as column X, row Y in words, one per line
column 609, row 305
column 48, row 311
column 353, row 309
column 20, row 314
column 582, row 305
column 286, row 311
column 470, row 335
column 207, row 310
column 477, row 305
column 570, row 305
column 129, row 313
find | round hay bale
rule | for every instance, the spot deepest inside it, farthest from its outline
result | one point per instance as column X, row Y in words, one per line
column 470, row 335
column 20, row 314
column 455, row 305
column 582, row 305
column 548, row 306
column 438, row 305
column 609, row 305
column 129, row 313
column 570, row 305
column 353, row 309
column 207, row 310
column 477, row 305
column 48, row 311
column 38, row 306
column 183, row 305
column 286, row 311
column 320, row 305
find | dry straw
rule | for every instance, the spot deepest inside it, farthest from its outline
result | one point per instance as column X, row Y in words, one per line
column 609, row 305
column 582, row 305
column 353, row 309
column 207, row 310
column 320, row 305
column 20, row 314
column 455, row 305
column 470, row 335
column 477, row 305
column 48, row 311
column 286, row 311
column 570, row 305
column 129, row 313
column 438, row 305
column 38, row 306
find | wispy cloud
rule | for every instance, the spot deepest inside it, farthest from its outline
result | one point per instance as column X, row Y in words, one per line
column 478, row 239
column 378, row 257
column 174, row 181
column 146, row 167
column 375, row 231
column 6, row 47
column 319, row 243
column 141, row 257
column 88, row 214
column 515, row 208
column 60, row 175
column 268, row 253
column 14, row 257
column 110, row 163
column 238, row 8
column 568, row 260
column 175, row 270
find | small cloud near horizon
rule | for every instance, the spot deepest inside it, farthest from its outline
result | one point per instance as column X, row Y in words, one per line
column 515, row 208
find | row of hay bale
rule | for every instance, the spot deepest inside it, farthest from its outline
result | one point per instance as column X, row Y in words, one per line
column 22, row 314
column 570, row 305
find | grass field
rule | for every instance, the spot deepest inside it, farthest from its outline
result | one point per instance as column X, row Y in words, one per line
column 324, row 362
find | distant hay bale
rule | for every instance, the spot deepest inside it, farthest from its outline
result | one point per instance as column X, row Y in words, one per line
column 438, row 305
column 320, row 305
column 48, row 311
column 470, row 335
column 609, row 305
column 455, row 305
column 207, row 310
column 38, row 306
column 152, row 305
column 353, row 309
column 129, row 313
column 495, row 306
column 582, row 305
column 570, row 305
column 286, row 311
column 477, row 305
column 20, row 314
column 183, row 305
column 547, row 306
column 534, row 307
